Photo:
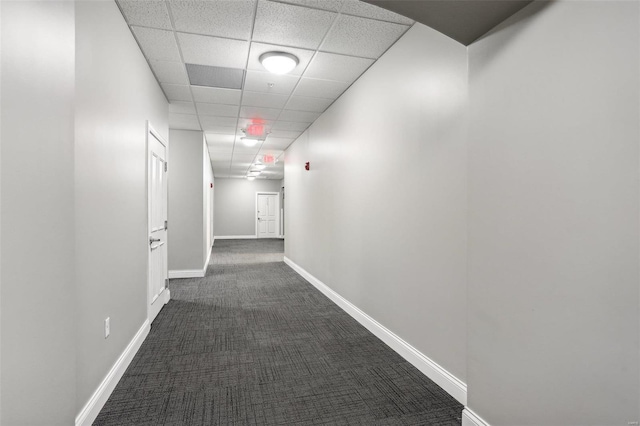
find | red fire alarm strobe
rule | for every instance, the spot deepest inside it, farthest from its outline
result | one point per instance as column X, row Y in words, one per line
column 306, row 165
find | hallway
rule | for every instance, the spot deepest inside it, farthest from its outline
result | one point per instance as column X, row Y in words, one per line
column 252, row 343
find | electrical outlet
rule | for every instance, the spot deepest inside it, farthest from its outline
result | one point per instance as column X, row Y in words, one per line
column 107, row 327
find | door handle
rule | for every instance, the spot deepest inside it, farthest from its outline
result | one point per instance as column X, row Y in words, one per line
column 154, row 240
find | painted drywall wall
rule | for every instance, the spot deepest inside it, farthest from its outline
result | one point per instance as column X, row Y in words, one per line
column 235, row 205
column 37, row 246
column 207, row 196
column 381, row 215
column 186, row 201
column 553, row 217
column 116, row 94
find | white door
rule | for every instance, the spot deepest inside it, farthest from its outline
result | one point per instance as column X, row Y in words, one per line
column 268, row 215
column 158, row 294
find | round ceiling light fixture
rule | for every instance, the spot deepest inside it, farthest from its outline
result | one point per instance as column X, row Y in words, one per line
column 278, row 62
column 249, row 141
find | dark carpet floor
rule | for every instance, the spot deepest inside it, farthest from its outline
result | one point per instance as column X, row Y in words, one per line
column 253, row 343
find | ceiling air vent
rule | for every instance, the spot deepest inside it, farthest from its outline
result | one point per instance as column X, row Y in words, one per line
column 203, row 75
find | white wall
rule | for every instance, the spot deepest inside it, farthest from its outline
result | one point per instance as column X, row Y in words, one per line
column 116, row 94
column 37, row 246
column 207, row 196
column 186, row 201
column 381, row 216
column 553, row 217
column 235, row 205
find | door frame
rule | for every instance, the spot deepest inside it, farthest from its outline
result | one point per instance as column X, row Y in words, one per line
column 152, row 132
column 277, row 194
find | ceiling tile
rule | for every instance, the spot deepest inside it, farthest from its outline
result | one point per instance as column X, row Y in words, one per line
column 146, row 13
column 299, row 116
column 360, row 8
column 157, row 44
column 257, row 49
column 320, row 88
column 302, row 103
column 287, row 125
column 291, row 25
column 183, row 121
column 256, row 112
column 285, row 134
column 177, row 92
column 257, row 81
column 241, row 149
column 243, row 158
column 214, row 138
column 210, row 121
column 169, row 72
column 276, row 143
column 182, row 107
column 216, row 95
column 356, row 36
column 211, row 127
column 332, row 5
column 218, row 109
column 329, row 66
column 265, row 100
column 214, row 51
column 231, row 19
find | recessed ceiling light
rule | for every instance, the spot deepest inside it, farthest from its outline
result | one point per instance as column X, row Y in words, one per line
column 278, row 62
column 249, row 141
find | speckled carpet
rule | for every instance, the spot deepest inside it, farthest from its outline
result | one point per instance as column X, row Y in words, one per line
column 253, row 343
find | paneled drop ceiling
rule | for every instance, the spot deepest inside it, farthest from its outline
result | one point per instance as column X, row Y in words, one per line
column 205, row 56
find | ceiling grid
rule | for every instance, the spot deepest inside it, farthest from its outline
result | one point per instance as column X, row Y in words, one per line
column 335, row 42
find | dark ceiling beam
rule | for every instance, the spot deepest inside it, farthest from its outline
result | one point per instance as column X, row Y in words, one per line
column 463, row 20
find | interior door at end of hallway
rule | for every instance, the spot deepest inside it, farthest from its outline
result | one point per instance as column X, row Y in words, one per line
column 267, row 215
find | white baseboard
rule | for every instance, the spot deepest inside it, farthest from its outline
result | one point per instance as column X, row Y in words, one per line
column 92, row 408
column 447, row 381
column 236, row 237
column 469, row 418
column 186, row 273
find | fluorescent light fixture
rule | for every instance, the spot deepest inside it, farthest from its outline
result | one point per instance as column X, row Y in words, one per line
column 251, row 178
column 278, row 62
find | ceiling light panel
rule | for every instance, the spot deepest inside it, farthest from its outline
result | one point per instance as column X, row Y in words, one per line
column 146, row 13
column 169, row 72
column 265, row 100
column 183, row 121
column 213, row 51
column 299, row 116
column 289, row 25
column 331, row 5
column 216, row 95
column 182, row 107
column 259, row 113
column 157, row 44
column 312, row 87
column 303, row 103
column 230, row 19
column 220, row 110
column 329, row 66
column 366, row 10
column 257, row 81
column 221, row 77
column 257, row 49
column 356, row 36
column 177, row 92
